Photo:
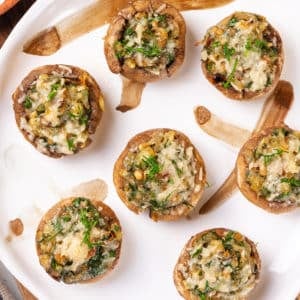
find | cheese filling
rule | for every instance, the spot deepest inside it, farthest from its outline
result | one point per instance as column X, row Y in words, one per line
column 242, row 54
column 79, row 243
column 160, row 173
column 219, row 264
column 56, row 113
column 149, row 41
column 274, row 167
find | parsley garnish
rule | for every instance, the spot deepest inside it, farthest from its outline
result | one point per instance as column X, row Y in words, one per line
column 232, row 22
column 265, row 192
column 83, row 119
column 203, row 294
column 178, row 170
column 53, row 92
column 215, row 44
column 148, row 51
column 293, row 182
column 88, row 222
column 227, row 84
column 71, row 144
column 129, row 31
column 227, row 239
column 269, row 157
column 228, row 52
column 197, row 252
column 261, row 44
column 152, row 166
column 158, row 205
column 248, row 45
column 112, row 253
column 161, row 18
column 28, row 102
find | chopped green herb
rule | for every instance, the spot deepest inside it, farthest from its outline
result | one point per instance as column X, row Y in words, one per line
column 282, row 195
column 178, row 170
column 148, row 51
column 152, row 166
column 161, row 18
column 228, row 52
column 265, row 192
column 95, row 263
column 116, row 228
column 273, row 52
column 171, row 58
column 88, row 222
column 76, row 202
column 261, row 44
column 129, row 31
column 269, row 81
column 54, row 90
column 249, row 84
column 112, row 253
column 83, row 119
column 227, row 239
column 197, row 252
column 66, row 218
column 158, row 205
column 227, row 84
column 248, row 45
column 71, row 144
column 209, row 66
column 203, row 294
column 215, row 44
column 269, row 157
column 28, row 102
column 293, row 182
column 232, row 22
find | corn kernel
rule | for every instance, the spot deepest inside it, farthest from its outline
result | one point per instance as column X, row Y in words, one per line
column 138, row 174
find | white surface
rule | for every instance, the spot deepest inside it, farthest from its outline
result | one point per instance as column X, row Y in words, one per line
column 30, row 183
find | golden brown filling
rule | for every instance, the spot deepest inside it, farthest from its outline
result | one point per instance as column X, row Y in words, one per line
column 78, row 243
column 57, row 112
column 149, row 41
column 274, row 167
column 219, row 263
column 160, row 173
column 242, row 54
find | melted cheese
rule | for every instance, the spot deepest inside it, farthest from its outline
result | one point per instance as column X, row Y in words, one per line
column 239, row 54
column 56, row 114
column 149, row 41
column 69, row 243
column 170, row 182
column 274, row 170
column 72, row 247
column 214, row 268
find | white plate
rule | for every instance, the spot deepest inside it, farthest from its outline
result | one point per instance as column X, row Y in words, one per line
column 30, row 183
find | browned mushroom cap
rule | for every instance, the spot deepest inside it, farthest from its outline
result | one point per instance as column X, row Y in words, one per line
column 242, row 65
column 146, row 41
column 191, row 256
column 145, row 149
column 69, row 73
column 253, row 167
column 92, row 268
